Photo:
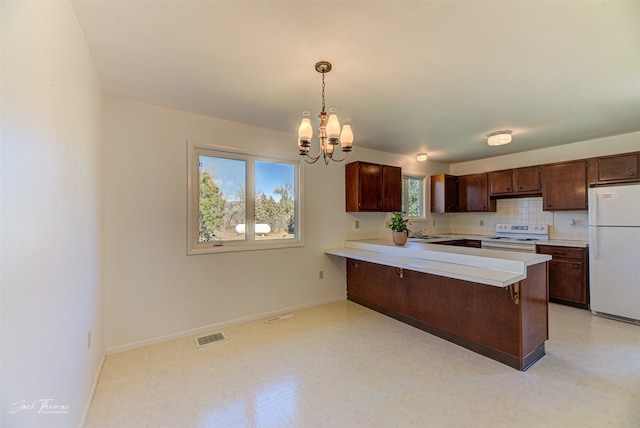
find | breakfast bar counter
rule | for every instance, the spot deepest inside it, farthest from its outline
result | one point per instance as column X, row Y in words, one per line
column 491, row 302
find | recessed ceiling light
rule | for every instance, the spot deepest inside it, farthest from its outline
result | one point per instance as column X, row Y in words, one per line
column 499, row 138
column 421, row 157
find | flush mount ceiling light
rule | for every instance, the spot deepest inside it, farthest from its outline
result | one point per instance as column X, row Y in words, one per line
column 421, row 157
column 499, row 138
column 329, row 134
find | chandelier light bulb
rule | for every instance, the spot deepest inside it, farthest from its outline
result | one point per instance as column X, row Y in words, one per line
column 329, row 148
column 346, row 136
column 333, row 127
column 305, row 131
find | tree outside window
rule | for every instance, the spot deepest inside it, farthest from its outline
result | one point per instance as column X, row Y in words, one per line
column 242, row 201
column 413, row 196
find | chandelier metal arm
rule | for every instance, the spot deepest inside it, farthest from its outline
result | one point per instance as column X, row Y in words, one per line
column 338, row 160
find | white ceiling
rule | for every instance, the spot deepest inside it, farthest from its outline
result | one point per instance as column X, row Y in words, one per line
column 433, row 76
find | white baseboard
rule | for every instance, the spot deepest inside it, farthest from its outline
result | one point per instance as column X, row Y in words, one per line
column 196, row 331
column 94, row 386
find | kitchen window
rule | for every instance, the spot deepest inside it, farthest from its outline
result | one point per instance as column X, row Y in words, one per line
column 239, row 201
column 413, row 196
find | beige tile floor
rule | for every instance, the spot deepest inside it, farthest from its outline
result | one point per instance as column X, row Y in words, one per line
column 342, row 365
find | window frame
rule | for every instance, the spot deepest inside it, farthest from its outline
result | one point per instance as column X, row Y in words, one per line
column 194, row 246
column 405, row 199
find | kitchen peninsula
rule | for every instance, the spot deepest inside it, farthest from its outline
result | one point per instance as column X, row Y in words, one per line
column 491, row 302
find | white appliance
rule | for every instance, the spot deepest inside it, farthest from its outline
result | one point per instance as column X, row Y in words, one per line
column 517, row 237
column 614, row 251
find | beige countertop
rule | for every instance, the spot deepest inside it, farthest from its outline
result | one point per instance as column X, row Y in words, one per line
column 490, row 267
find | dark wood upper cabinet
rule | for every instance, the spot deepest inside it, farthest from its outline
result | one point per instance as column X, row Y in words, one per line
column 501, row 182
column 617, row 169
column 565, row 186
column 527, row 179
column 473, row 193
column 373, row 187
column 444, row 193
column 515, row 181
column 391, row 188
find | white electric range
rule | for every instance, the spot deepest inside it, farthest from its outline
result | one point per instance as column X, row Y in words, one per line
column 517, row 237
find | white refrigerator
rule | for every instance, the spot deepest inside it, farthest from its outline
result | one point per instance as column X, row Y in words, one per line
column 614, row 251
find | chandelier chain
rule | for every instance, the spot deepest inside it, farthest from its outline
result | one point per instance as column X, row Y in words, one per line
column 323, row 110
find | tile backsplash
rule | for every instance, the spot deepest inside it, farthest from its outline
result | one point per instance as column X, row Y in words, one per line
column 522, row 211
column 565, row 225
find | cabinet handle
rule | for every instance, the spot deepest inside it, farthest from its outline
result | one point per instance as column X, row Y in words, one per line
column 559, row 253
column 631, row 174
column 576, row 266
column 508, row 189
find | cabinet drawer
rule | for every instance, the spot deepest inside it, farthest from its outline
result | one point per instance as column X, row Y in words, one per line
column 564, row 252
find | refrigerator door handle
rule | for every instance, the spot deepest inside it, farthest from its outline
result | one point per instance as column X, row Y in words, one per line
column 596, row 251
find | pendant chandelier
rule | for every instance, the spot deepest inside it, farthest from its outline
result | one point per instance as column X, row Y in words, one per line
column 329, row 133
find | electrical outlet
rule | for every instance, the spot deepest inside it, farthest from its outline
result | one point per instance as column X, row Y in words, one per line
column 356, row 225
column 481, row 222
column 387, row 224
column 433, row 223
column 320, row 274
column 89, row 340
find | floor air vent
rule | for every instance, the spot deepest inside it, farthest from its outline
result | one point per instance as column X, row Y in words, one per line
column 209, row 339
column 279, row 318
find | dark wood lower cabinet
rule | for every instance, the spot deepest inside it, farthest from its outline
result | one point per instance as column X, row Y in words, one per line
column 568, row 275
column 509, row 325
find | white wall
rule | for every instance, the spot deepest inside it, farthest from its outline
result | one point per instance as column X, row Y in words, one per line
column 52, row 287
column 156, row 291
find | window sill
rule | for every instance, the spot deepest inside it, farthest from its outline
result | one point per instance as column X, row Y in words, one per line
column 230, row 248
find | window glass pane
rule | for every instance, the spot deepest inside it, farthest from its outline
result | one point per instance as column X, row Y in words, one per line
column 221, row 199
column 241, row 202
column 412, row 196
column 275, row 203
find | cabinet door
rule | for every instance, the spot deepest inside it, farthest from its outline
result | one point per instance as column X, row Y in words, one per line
column 621, row 168
column 527, row 179
column 500, row 182
column 444, row 193
column 566, row 280
column 474, row 193
column 451, row 201
column 391, row 188
column 370, row 188
column 565, row 186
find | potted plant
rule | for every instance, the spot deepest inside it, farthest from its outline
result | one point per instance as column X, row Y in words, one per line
column 399, row 228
